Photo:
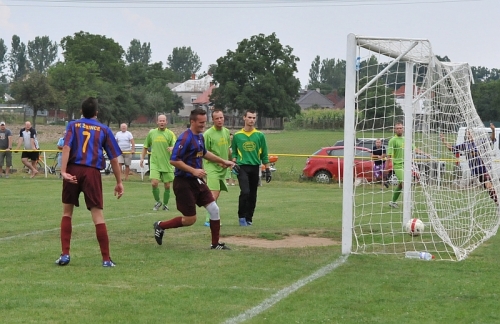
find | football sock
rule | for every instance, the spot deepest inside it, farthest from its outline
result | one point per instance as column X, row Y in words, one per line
column 66, row 229
column 102, row 237
column 173, row 223
column 396, row 194
column 215, row 230
column 156, row 193
column 166, row 196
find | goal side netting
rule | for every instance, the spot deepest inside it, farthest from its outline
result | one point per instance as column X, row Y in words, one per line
column 451, row 165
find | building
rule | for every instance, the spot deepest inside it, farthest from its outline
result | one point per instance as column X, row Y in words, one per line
column 313, row 98
column 190, row 90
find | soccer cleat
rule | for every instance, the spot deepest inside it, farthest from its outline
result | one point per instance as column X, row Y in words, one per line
column 165, row 207
column 243, row 222
column 157, row 205
column 393, row 204
column 63, row 260
column 219, row 246
column 108, row 264
column 158, row 232
column 249, row 223
column 207, row 224
column 386, row 184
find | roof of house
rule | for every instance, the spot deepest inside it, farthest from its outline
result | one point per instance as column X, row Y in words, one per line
column 400, row 92
column 204, row 98
column 313, row 97
column 194, row 85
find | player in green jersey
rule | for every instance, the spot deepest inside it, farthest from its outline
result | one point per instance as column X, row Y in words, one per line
column 217, row 140
column 161, row 141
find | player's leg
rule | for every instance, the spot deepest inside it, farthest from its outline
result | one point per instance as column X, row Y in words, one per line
column 397, row 192
column 243, row 181
column 253, row 180
column 8, row 163
column 2, row 159
column 155, row 177
column 485, row 180
column 166, row 178
column 127, row 160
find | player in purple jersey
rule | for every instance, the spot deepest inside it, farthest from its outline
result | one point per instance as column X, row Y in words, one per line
column 82, row 159
column 189, row 188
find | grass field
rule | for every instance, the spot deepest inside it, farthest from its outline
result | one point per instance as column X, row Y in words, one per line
column 183, row 281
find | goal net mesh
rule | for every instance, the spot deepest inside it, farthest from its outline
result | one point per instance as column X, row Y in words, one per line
column 456, row 205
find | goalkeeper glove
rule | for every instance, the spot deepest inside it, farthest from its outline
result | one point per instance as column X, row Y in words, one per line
column 268, row 175
column 236, row 169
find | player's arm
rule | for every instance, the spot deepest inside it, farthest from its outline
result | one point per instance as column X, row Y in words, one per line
column 216, row 159
column 10, row 142
column 448, row 146
column 133, row 145
column 143, row 154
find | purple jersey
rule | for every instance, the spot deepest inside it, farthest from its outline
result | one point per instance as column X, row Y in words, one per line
column 190, row 149
column 87, row 138
column 476, row 164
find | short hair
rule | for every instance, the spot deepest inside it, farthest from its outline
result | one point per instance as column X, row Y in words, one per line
column 195, row 113
column 89, row 107
column 217, row 110
column 251, row 111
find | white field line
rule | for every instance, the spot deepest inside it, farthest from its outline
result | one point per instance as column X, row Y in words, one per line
column 285, row 292
column 58, row 228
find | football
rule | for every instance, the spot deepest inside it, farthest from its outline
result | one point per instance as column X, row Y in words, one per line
column 415, row 227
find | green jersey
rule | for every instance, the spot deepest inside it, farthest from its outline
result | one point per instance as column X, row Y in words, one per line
column 396, row 150
column 159, row 141
column 216, row 142
column 250, row 148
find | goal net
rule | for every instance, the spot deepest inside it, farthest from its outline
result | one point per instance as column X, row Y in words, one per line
column 450, row 167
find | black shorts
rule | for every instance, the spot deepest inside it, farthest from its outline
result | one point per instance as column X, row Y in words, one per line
column 33, row 156
column 89, row 182
column 483, row 178
column 190, row 192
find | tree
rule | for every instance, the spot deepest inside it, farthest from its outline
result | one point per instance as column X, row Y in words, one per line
column 35, row 91
column 486, row 97
column 85, row 47
column 259, row 75
column 18, row 61
column 3, row 59
column 314, row 71
column 184, row 62
column 137, row 53
column 42, row 53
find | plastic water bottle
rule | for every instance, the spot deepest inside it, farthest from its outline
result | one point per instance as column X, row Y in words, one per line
column 419, row 255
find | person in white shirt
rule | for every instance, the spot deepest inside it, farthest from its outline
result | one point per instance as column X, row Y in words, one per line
column 127, row 145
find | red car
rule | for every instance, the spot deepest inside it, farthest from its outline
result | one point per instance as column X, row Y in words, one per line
column 328, row 168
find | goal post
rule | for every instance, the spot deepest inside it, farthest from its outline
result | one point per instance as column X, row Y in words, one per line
column 400, row 80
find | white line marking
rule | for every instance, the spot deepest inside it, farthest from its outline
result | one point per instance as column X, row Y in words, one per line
column 285, row 292
column 58, row 228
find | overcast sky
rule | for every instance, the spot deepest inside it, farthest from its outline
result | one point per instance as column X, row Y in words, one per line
column 465, row 31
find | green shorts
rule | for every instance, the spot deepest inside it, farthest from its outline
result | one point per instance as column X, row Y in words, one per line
column 216, row 184
column 161, row 176
column 399, row 174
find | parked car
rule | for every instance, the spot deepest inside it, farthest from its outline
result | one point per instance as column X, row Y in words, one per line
column 323, row 167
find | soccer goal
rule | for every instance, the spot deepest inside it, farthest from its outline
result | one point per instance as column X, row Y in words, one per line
column 396, row 80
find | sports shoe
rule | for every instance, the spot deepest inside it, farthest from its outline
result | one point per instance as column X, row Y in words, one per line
column 6, row 176
column 243, row 222
column 207, row 224
column 63, row 260
column 393, row 204
column 249, row 223
column 165, row 207
column 158, row 232
column 386, row 184
column 108, row 264
column 219, row 246
column 157, row 205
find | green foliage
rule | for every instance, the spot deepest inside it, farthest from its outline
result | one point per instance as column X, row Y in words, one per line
column 184, row 62
column 137, row 53
column 3, row 59
column 314, row 71
column 42, row 53
column 18, row 61
column 486, row 97
column 258, row 76
column 318, row 119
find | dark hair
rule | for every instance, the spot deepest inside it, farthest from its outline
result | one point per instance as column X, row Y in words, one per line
column 89, row 107
column 251, row 111
column 195, row 113
column 216, row 110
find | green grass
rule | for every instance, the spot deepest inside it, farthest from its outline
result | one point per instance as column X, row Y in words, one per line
column 183, row 281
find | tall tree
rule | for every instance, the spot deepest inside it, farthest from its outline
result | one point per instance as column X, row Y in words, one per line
column 314, row 71
column 137, row 53
column 42, row 53
column 259, row 75
column 184, row 62
column 18, row 61
column 3, row 60
column 108, row 54
column 35, row 91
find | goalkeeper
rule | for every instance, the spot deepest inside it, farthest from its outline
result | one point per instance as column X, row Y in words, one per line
column 476, row 164
column 395, row 151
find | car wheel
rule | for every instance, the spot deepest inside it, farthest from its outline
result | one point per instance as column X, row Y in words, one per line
column 323, row 177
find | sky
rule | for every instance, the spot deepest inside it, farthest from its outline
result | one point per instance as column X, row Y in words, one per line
column 464, row 30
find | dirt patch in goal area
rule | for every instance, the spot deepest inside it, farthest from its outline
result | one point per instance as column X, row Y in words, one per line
column 292, row 241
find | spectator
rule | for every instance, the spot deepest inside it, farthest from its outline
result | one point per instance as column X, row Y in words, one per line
column 27, row 135
column 127, row 145
column 5, row 149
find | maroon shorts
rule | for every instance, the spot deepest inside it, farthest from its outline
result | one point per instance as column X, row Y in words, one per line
column 89, row 182
column 190, row 192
